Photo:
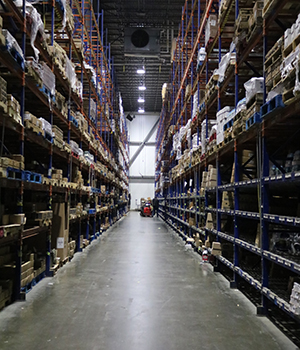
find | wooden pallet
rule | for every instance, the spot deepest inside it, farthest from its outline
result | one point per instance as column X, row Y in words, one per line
column 292, row 46
column 288, row 96
column 46, row 181
column 255, row 29
column 238, row 128
column 31, row 126
column 5, row 302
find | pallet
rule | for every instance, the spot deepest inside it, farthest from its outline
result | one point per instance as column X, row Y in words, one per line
column 3, row 107
column 14, row 115
column 257, row 98
column 274, row 53
column 275, row 103
column 255, row 108
column 255, row 29
column 238, row 129
column 31, row 126
column 288, row 96
column 5, row 302
column 46, row 181
column 74, row 121
column 254, row 119
column 29, row 176
column 291, row 47
column 47, row 92
column 228, row 125
column 44, row 222
column 58, row 143
column 14, row 174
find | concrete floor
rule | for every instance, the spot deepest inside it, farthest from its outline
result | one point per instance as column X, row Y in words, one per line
column 136, row 288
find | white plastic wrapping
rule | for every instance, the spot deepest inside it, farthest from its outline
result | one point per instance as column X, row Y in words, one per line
column 278, row 90
column 74, row 147
column 36, row 26
column 195, row 141
column 48, row 78
column 253, row 87
column 201, row 57
column 92, row 109
column 11, row 42
column 46, row 126
column 224, row 63
column 70, row 73
column 289, row 63
column 241, row 105
column 203, row 133
column 195, row 104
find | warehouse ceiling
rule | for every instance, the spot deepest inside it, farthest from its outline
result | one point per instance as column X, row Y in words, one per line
column 122, row 19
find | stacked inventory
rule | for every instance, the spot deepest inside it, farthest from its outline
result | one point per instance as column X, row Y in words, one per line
column 55, row 152
column 241, row 169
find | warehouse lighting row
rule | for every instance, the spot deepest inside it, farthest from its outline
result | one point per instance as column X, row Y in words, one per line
column 142, row 87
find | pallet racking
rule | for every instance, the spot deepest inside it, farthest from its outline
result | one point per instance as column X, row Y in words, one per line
column 64, row 140
column 240, row 187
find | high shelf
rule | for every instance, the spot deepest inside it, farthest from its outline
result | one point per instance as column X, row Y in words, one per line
column 227, row 155
column 64, row 140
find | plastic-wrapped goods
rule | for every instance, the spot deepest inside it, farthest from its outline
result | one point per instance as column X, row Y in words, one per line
column 164, row 91
column 78, row 88
column 289, row 63
column 211, row 28
column 91, row 72
column 70, row 73
column 74, row 147
column 11, row 42
column 295, row 299
column 195, row 104
column 203, row 133
column 278, row 90
column 195, row 141
column 37, row 25
column 201, row 57
column 48, row 78
column 253, row 87
column 46, row 126
column 88, row 156
column 227, row 59
column 93, row 111
column 241, row 105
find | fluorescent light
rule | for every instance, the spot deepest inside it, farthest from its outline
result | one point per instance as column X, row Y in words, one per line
column 141, row 110
column 141, row 100
column 142, row 88
column 141, row 71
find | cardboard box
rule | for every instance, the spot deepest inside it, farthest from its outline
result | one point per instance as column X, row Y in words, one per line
column 207, row 243
column 216, row 248
column 60, row 229
column 192, row 221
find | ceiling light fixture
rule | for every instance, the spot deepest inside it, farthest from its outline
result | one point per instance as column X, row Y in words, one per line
column 142, row 88
column 141, row 110
column 141, row 100
column 141, row 71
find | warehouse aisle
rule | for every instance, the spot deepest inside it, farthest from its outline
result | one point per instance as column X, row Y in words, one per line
column 136, row 289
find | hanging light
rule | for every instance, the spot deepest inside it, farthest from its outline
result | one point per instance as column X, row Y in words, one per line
column 141, row 100
column 141, row 71
column 141, row 110
column 142, row 88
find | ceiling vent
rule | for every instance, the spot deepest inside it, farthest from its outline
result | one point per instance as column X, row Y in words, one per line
column 142, row 42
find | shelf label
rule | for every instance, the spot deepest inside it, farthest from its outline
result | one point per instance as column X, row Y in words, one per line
column 60, row 243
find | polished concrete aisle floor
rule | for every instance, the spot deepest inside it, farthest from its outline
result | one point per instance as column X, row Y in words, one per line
column 136, row 288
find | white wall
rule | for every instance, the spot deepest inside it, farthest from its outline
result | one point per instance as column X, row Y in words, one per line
column 138, row 191
column 144, row 165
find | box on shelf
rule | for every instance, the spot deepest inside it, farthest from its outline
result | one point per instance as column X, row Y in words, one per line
column 216, row 248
